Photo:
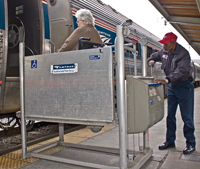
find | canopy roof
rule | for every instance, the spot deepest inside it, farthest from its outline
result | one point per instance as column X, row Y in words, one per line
column 184, row 16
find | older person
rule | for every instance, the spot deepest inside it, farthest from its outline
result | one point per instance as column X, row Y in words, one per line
column 176, row 65
column 85, row 28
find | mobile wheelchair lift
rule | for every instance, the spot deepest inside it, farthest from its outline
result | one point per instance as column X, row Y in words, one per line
column 67, row 87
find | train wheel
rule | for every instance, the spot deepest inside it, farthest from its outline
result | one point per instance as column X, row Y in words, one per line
column 95, row 129
column 8, row 122
column 29, row 123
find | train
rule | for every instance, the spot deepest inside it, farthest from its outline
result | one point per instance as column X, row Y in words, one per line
column 44, row 25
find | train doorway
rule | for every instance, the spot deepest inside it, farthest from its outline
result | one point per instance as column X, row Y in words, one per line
column 24, row 19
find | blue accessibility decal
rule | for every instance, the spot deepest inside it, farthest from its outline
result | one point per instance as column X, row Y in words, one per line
column 94, row 57
column 33, row 64
column 152, row 102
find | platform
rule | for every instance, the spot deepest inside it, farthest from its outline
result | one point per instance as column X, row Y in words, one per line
column 108, row 137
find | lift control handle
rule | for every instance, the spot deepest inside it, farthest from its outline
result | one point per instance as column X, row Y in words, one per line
column 154, row 84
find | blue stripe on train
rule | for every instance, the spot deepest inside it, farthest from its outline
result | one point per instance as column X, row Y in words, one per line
column 2, row 15
column 46, row 21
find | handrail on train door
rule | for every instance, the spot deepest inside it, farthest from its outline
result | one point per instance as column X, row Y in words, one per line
column 58, row 19
column 55, row 20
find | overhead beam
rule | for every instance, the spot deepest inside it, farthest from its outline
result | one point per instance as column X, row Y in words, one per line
column 198, row 4
column 195, row 30
column 193, row 34
column 179, row 6
column 184, row 20
column 195, row 43
column 194, row 39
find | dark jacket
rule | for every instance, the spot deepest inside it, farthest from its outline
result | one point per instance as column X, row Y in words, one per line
column 88, row 31
column 176, row 65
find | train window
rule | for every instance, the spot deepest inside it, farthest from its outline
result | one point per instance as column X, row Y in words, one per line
column 156, row 50
column 128, row 53
column 53, row 2
column 100, row 2
column 114, row 10
column 138, row 48
column 127, row 40
column 149, row 51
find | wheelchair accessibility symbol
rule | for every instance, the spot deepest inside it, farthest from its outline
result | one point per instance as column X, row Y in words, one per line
column 33, row 64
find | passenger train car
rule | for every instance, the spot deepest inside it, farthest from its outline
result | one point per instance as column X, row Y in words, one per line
column 44, row 25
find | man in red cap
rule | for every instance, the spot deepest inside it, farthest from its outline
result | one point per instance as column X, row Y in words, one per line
column 176, row 65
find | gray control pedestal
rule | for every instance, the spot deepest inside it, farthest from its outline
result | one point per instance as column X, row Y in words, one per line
column 145, row 103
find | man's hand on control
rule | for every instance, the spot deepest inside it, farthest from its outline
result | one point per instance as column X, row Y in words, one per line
column 163, row 81
column 151, row 63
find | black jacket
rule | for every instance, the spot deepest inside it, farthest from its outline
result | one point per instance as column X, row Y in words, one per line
column 176, row 65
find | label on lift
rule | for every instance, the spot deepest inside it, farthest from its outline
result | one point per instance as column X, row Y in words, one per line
column 94, row 57
column 64, row 68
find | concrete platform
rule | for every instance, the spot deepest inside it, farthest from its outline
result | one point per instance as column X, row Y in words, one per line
column 165, row 159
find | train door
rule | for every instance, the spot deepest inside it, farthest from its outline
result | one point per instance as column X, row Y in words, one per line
column 20, row 18
column 61, row 21
column 31, row 16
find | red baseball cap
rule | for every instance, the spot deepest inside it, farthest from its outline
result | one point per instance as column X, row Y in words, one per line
column 169, row 37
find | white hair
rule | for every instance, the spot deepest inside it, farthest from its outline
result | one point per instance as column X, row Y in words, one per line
column 86, row 16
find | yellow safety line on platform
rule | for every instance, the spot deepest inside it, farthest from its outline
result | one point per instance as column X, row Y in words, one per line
column 13, row 160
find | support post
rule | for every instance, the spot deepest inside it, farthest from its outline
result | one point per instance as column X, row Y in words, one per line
column 61, row 132
column 120, row 79
column 23, row 123
column 146, row 139
column 144, row 42
column 135, row 60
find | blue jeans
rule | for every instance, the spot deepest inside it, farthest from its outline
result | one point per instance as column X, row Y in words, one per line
column 181, row 94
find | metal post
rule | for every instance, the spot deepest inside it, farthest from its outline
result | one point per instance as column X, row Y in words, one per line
column 61, row 132
column 133, row 145
column 23, row 123
column 146, row 139
column 120, row 82
column 143, row 42
column 135, row 60
column 144, row 60
column 151, row 71
column 139, row 143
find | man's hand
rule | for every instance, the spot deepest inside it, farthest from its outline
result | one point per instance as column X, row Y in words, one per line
column 151, row 63
column 163, row 81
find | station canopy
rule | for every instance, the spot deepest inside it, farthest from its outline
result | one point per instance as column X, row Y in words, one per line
column 184, row 16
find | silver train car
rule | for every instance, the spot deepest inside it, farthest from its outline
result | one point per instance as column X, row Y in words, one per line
column 44, row 25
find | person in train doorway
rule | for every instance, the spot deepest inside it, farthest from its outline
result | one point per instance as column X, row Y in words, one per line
column 85, row 28
column 176, row 65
